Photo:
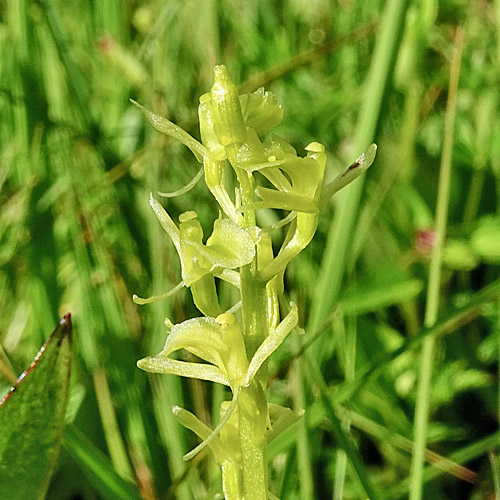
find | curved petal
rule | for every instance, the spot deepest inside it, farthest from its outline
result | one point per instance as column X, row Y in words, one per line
column 164, row 364
column 191, row 422
column 261, row 110
column 169, row 128
column 201, row 337
column 229, row 246
column 271, row 343
column 218, row 341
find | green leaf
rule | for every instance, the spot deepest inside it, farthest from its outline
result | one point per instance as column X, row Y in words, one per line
column 485, row 240
column 459, row 255
column 98, row 468
column 32, row 419
column 383, row 288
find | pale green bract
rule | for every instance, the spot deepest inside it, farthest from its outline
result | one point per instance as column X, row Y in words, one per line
column 235, row 350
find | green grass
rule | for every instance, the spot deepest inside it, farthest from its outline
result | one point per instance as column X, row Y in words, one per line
column 77, row 164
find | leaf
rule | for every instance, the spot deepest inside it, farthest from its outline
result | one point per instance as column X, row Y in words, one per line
column 32, row 419
column 458, row 255
column 385, row 287
column 485, row 240
column 98, row 468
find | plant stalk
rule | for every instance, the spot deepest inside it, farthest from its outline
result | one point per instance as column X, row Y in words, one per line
column 432, row 303
column 252, row 404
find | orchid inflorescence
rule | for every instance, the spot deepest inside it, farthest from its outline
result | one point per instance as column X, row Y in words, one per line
column 231, row 126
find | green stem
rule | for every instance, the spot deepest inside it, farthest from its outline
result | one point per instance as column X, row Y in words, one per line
column 114, row 440
column 498, row 354
column 252, row 411
column 474, row 195
column 432, row 303
column 497, row 11
column 349, row 346
column 253, row 290
column 495, row 472
column 254, row 310
column 252, row 404
column 231, row 480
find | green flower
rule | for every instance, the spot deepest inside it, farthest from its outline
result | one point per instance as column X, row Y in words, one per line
column 229, row 247
column 220, row 343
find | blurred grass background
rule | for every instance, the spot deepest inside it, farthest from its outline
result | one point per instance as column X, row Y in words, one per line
column 77, row 163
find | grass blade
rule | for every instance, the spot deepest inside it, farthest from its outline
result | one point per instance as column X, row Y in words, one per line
column 450, row 322
column 98, row 468
column 340, row 436
column 427, row 356
column 341, row 231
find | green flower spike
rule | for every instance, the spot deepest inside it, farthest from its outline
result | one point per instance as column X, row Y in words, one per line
column 234, row 351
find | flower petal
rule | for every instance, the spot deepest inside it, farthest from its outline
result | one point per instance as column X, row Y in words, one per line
column 271, row 343
column 191, row 422
column 169, row 128
column 354, row 170
column 164, row 364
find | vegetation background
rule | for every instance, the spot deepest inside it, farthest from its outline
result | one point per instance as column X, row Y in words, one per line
column 77, row 163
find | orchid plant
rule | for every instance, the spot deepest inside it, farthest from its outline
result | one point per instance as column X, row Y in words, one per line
column 236, row 344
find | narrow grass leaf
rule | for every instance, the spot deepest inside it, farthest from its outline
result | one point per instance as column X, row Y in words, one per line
column 384, row 288
column 342, row 438
column 342, row 229
column 461, row 456
column 98, row 468
column 456, row 318
column 433, row 290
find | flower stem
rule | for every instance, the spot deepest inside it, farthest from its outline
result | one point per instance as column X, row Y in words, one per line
column 253, row 291
column 252, row 404
column 252, row 411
